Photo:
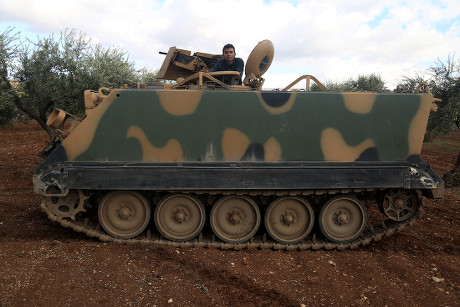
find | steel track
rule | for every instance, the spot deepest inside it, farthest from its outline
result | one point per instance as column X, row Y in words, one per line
column 373, row 233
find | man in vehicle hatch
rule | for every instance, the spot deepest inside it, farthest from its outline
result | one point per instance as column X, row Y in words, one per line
column 229, row 62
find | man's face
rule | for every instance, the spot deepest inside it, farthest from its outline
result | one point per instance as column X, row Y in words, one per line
column 229, row 55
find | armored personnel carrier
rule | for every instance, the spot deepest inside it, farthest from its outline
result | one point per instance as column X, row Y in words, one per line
column 198, row 162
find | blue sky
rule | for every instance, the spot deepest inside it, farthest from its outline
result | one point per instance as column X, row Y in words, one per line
column 332, row 40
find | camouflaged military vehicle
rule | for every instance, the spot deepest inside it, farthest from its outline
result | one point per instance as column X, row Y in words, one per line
column 198, row 162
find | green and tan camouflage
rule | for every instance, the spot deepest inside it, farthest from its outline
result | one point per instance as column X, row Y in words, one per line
column 178, row 148
column 196, row 125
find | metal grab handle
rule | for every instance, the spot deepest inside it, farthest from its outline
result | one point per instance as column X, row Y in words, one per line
column 308, row 78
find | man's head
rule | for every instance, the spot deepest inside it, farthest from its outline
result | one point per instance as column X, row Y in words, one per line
column 228, row 52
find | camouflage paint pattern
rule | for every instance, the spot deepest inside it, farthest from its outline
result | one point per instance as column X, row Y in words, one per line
column 216, row 125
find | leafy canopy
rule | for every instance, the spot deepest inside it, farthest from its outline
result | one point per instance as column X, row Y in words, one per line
column 54, row 72
column 443, row 80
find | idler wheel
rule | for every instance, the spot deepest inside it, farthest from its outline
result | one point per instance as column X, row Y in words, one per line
column 235, row 219
column 179, row 217
column 399, row 205
column 289, row 220
column 124, row 214
column 342, row 219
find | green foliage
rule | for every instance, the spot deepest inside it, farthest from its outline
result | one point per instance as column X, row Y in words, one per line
column 371, row 83
column 54, row 72
column 110, row 68
column 7, row 51
column 7, row 111
column 444, row 83
column 144, row 76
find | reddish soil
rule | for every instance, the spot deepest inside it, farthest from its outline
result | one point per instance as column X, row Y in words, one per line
column 45, row 264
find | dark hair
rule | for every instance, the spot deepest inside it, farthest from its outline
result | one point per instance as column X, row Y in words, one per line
column 228, row 46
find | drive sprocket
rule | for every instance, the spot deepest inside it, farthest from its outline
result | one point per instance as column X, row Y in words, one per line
column 67, row 206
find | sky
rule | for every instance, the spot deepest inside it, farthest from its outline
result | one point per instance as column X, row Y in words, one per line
column 329, row 39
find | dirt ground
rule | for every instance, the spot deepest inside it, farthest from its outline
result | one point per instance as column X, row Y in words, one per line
column 43, row 264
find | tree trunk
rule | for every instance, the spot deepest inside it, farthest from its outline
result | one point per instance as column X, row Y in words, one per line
column 40, row 119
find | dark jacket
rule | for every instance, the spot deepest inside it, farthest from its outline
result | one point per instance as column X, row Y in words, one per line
column 237, row 65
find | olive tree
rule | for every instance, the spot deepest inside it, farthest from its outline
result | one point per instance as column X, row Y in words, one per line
column 54, row 72
column 147, row 75
column 443, row 80
column 7, row 54
column 362, row 83
column 445, row 85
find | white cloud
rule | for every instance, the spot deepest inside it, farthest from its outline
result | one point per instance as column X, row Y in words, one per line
column 332, row 40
